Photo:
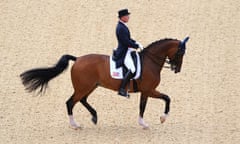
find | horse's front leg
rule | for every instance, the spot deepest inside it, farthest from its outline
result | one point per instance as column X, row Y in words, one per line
column 142, row 106
column 166, row 98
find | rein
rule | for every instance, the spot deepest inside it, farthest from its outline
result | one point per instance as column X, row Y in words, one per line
column 159, row 60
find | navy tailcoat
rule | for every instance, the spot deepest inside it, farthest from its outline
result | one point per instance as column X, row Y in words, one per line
column 124, row 41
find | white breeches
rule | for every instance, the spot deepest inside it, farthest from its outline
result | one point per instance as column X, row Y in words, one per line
column 128, row 60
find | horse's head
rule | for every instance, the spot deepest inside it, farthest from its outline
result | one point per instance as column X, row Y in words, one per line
column 173, row 49
column 176, row 56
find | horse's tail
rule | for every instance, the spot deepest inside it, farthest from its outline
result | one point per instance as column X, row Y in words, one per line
column 39, row 78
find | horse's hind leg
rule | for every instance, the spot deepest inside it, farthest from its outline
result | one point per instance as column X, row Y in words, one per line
column 90, row 109
column 70, row 104
column 88, row 106
column 82, row 97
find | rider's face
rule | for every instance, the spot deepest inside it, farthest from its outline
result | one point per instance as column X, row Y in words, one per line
column 125, row 18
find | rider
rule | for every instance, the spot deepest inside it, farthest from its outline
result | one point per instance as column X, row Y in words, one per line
column 125, row 46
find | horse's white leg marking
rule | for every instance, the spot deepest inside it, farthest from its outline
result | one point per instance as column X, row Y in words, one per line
column 142, row 123
column 73, row 124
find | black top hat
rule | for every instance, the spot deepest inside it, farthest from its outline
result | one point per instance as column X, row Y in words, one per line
column 123, row 12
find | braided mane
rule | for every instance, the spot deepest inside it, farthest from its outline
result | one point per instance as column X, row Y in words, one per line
column 158, row 42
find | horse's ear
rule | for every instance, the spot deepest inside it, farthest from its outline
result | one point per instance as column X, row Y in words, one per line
column 183, row 44
column 185, row 40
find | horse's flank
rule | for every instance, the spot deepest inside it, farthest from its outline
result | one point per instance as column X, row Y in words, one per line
column 96, row 71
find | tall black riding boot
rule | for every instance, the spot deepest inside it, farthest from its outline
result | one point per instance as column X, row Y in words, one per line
column 122, row 90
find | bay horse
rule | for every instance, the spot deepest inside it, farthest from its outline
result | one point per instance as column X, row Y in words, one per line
column 93, row 70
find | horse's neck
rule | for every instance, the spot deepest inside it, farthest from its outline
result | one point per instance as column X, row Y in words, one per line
column 153, row 61
column 158, row 53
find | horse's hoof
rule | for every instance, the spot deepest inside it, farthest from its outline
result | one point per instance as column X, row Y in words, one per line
column 76, row 127
column 145, row 127
column 143, row 124
column 94, row 120
column 163, row 118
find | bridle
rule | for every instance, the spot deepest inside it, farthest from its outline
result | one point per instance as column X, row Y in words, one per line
column 174, row 61
column 180, row 52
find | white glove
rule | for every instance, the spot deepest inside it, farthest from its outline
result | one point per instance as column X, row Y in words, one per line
column 139, row 45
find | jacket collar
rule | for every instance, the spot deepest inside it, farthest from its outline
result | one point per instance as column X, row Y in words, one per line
column 123, row 23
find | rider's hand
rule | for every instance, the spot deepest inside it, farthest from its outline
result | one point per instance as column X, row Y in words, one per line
column 139, row 45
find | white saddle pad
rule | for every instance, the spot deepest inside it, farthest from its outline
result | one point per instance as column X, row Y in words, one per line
column 117, row 73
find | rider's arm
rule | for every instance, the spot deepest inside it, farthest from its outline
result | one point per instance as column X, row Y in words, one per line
column 123, row 37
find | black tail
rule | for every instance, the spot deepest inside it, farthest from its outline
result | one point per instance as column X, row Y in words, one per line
column 35, row 78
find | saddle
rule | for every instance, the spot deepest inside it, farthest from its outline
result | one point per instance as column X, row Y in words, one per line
column 118, row 72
